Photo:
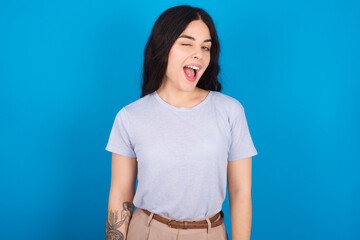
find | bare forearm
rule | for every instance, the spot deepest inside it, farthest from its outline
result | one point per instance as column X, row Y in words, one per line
column 118, row 218
column 241, row 215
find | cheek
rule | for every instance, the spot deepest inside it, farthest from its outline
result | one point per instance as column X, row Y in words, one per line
column 207, row 61
column 175, row 60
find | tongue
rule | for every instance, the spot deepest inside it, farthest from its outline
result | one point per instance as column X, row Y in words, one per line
column 189, row 72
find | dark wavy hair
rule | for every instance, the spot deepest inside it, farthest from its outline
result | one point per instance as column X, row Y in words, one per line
column 166, row 30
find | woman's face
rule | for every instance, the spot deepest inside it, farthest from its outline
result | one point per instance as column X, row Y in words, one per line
column 189, row 57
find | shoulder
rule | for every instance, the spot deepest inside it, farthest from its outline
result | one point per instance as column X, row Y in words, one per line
column 229, row 104
column 137, row 107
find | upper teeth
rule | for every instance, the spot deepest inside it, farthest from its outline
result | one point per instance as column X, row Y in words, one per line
column 193, row 67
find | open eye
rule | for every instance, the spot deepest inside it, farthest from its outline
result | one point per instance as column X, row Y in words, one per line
column 206, row 48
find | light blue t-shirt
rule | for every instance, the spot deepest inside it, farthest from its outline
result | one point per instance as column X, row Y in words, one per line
column 182, row 153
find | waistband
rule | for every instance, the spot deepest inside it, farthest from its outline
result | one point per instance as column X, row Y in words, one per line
column 183, row 224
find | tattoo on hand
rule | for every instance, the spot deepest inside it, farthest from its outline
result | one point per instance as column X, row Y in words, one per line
column 113, row 222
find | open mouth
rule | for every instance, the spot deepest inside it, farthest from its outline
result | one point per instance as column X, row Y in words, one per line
column 191, row 71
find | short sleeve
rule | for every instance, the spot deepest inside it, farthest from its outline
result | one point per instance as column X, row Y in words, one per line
column 119, row 140
column 241, row 145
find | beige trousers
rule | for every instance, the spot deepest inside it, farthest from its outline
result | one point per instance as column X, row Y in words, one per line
column 144, row 227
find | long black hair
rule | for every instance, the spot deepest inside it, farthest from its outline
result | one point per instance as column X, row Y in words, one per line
column 166, row 30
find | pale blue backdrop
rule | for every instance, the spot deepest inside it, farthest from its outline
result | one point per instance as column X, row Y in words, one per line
column 67, row 67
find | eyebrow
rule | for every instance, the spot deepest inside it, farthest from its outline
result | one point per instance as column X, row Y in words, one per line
column 192, row 38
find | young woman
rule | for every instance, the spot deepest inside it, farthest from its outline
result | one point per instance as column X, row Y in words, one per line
column 183, row 138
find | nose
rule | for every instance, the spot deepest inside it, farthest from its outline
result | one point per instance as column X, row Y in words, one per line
column 198, row 54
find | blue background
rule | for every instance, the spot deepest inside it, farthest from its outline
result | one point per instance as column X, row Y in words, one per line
column 67, row 67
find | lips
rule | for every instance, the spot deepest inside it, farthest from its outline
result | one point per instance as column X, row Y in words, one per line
column 194, row 65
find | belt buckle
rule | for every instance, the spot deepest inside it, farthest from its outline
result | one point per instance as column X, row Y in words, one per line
column 169, row 222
